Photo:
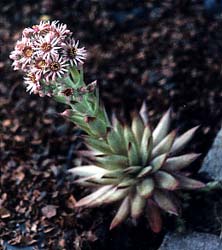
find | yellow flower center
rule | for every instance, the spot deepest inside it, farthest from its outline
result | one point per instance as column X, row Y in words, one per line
column 54, row 66
column 32, row 77
column 72, row 52
column 40, row 64
column 46, row 47
column 27, row 51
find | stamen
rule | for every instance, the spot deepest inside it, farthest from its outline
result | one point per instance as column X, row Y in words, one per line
column 72, row 52
column 55, row 66
column 46, row 47
column 27, row 51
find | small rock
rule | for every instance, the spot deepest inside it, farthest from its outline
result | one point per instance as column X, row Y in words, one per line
column 213, row 161
column 49, row 211
column 191, row 241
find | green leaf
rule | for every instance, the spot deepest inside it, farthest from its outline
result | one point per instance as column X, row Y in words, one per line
column 183, row 140
column 115, row 142
column 98, row 144
column 122, row 213
column 138, row 128
column 113, row 161
column 145, row 187
column 154, row 216
column 90, row 198
column 158, row 162
column 179, row 162
column 165, row 145
column 188, row 183
column 165, row 180
column 129, row 137
column 137, row 205
column 145, row 171
column 162, row 128
column 165, row 202
column 146, row 145
column 133, row 155
column 98, row 127
column 76, row 77
column 86, row 171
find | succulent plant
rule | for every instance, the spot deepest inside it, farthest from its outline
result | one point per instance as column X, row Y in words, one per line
column 137, row 167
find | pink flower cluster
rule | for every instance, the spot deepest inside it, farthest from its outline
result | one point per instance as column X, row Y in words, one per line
column 45, row 53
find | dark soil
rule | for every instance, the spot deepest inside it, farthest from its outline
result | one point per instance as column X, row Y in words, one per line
column 168, row 53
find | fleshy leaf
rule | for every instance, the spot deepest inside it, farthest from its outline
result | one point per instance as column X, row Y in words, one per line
column 143, row 113
column 89, row 170
column 137, row 205
column 182, row 140
column 188, row 183
column 165, row 180
column 122, row 213
column 179, row 162
column 99, row 145
column 127, row 182
column 129, row 137
column 133, row 154
column 146, row 145
column 145, row 187
column 165, row 202
column 112, row 161
column 115, row 142
column 137, row 128
column 145, row 171
column 165, row 145
column 154, row 216
column 117, row 195
column 162, row 128
column 158, row 162
column 89, row 198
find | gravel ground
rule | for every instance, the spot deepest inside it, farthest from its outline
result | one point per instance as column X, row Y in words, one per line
column 168, row 53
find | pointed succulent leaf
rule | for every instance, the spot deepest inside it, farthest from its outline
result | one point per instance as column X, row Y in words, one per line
column 118, row 127
column 98, row 127
column 122, row 213
column 129, row 137
column 98, row 144
column 112, row 161
column 182, row 140
column 89, row 170
column 144, row 172
column 133, row 154
column 126, row 182
column 165, row 202
column 89, row 153
column 137, row 205
column 89, row 198
column 165, row 145
column 132, row 169
column 158, row 162
column 119, row 194
column 79, row 121
column 146, row 145
column 162, row 128
column 165, row 180
column 115, row 142
column 143, row 113
column 102, row 198
column 179, row 162
column 137, row 128
column 154, row 216
column 101, row 180
column 145, row 187
column 188, row 183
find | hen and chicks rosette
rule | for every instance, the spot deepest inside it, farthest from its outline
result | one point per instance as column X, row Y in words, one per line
column 139, row 168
